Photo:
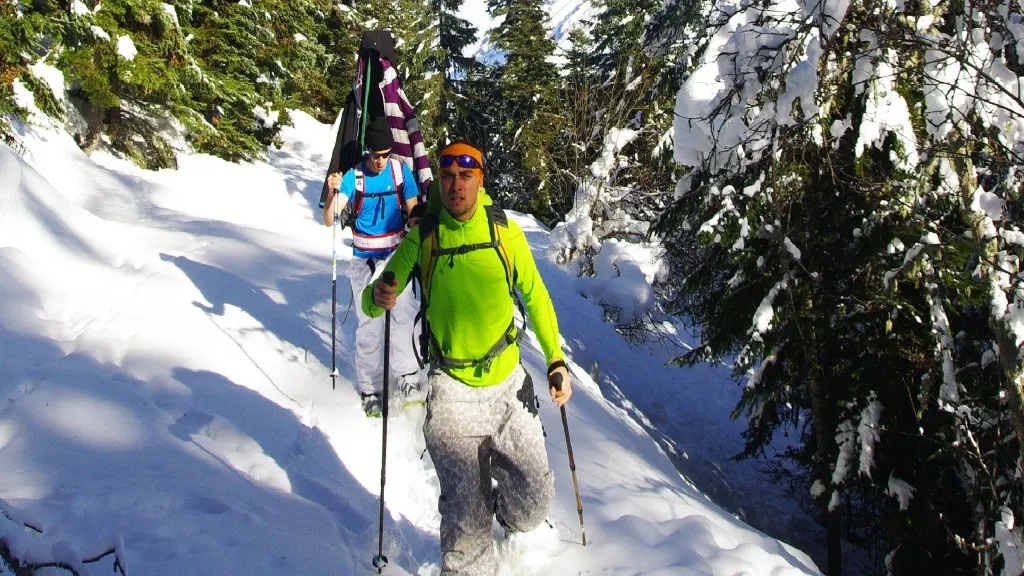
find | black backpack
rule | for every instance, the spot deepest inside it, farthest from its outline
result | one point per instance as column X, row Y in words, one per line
column 430, row 252
column 353, row 208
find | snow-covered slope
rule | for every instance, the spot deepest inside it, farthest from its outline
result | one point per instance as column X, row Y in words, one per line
column 166, row 347
column 564, row 14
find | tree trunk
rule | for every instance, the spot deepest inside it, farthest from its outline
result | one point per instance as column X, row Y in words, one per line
column 114, row 122
column 91, row 140
column 1013, row 375
column 834, row 536
column 823, row 432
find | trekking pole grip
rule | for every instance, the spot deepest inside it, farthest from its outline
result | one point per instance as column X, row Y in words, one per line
column 555, row 377
column 388, row 278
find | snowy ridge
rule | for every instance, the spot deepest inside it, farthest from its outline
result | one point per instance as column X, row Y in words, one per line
column 564, row 14
column 166, row 338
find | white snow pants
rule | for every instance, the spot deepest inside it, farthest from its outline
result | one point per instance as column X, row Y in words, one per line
column 370, row 331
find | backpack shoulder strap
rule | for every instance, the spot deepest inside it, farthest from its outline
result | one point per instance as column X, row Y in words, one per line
column 428, row 253
column 496, row 219
column 360, row 188
column 397, row 179
column 496, row 215
column 430, row 247
column 397, row 175
column 360, row 178
column 428, row 225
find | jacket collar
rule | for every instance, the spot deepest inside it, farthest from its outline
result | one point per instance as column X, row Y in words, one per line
column 482, row 201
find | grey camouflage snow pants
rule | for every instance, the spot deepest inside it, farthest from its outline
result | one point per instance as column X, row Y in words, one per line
column 473, row 435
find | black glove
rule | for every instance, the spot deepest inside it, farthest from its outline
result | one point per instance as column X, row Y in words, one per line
column 418, row 211
column 555, row 380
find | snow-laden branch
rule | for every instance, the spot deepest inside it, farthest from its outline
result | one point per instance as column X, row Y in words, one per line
column 623, row 272
column 26, row 554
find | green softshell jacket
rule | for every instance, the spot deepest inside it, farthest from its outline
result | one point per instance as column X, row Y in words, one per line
column 470, row 307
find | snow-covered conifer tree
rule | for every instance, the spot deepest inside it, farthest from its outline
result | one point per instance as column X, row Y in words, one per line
column 853, row 181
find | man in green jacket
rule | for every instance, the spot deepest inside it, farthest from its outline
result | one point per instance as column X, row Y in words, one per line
column 482, row 420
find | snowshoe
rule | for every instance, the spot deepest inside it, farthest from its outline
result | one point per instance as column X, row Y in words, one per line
column 372, row 405
column 411, row 392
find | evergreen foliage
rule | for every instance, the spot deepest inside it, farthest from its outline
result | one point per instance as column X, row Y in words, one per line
column 222, row 73
column 445, row 111
column 523, row 109
column 21, row 35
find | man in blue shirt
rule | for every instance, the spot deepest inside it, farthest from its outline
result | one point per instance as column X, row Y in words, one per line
column 379, row 189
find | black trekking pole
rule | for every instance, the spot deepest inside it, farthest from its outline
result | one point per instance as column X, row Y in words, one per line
column 556, row 383
column 334, row 293
column 380, row 561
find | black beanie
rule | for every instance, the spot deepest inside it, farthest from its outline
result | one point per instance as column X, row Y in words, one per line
column 378, row 135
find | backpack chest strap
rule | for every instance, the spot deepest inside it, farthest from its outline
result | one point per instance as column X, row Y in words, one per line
column 460, row 250
column 431, row 250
